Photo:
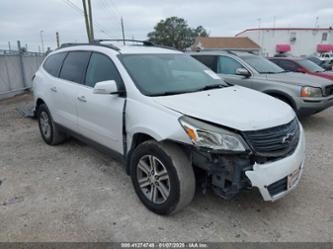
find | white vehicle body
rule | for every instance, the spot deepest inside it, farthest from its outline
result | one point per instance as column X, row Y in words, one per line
column 120, row 123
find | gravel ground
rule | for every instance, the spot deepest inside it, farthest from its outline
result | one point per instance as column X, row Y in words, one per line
column 72, row 192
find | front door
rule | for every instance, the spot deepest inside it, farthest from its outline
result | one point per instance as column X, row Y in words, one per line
column 226, row 68
column 100, row 117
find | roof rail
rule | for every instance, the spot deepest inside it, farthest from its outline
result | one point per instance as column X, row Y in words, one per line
column 232, row 50
column 99, row 42
column 144, row 43
column 65, row 45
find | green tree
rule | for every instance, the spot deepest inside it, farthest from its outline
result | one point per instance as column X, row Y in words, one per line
column 175, row 32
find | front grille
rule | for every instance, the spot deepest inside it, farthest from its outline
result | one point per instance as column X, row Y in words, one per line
column 278, row 186
column 274, row 142
column 329, row 90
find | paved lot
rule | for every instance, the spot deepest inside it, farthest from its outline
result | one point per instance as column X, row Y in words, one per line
column 72, row 192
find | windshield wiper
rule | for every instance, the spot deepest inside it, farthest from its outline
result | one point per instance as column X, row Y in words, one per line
column 268, row 72
column 209, row 87
column 166, row 93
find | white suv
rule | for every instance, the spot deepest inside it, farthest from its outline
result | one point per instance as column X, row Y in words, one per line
column 173, row 121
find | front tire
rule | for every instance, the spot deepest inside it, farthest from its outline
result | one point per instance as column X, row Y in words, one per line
column 48, row 129
column 162, row 176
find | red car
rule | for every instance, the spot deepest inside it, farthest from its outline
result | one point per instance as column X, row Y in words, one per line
column 301, row 65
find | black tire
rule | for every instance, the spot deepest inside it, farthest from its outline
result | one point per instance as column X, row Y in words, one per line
column 54, row 136
column 180, row 173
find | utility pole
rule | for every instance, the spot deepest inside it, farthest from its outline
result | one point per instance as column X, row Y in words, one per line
column 91, row 22
column 122, row 29
column 9, row 47
column 87, row 9
column 86, row 19
column 42, row 39
column 57, row 38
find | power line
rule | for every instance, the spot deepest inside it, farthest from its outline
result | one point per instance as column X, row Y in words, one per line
column 80, row 11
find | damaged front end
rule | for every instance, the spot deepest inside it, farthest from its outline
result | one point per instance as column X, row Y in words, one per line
column 224, row 172
column 271, row 156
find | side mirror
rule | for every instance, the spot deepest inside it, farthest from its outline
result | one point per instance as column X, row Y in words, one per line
column 243, row 72
column 106, row 87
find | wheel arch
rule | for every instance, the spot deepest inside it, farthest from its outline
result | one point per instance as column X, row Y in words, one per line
column 136, row 140
column 282, row 96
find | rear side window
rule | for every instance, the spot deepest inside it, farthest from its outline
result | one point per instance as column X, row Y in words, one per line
column 53, row 63
column 75, row 66
column 209, row 60
column 101, row 68
column 228, row 65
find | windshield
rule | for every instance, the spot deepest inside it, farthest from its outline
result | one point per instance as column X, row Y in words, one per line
column 262, row 65
column 311, row 66
column 168, row 74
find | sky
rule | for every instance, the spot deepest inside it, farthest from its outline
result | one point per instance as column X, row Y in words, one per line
column 27, row 20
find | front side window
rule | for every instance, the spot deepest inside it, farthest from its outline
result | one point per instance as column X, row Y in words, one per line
column 262, row 65
column 208, row 60
column 101, row 68
column 168, row 74
column 53, row 63
column 228, row 65
column 74, row 66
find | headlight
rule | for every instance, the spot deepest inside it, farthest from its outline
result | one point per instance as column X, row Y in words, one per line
column 308, row 91
column 210, row 136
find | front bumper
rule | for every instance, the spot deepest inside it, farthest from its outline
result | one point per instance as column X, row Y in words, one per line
column 264, row 175
column 308, row 106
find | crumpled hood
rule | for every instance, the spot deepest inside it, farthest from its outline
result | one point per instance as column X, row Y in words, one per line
column 300, row 79
column 234, row 107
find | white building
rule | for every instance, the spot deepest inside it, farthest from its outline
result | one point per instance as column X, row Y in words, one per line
column 299, row 41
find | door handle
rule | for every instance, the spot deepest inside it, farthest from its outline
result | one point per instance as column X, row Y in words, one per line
column 82, row 99
column 53, row 89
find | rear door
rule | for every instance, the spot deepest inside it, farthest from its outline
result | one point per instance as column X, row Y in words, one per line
column 100, row 117
column 47, row 82
column 71, row 78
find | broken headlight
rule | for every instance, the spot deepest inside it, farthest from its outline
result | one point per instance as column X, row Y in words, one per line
column 210, row 136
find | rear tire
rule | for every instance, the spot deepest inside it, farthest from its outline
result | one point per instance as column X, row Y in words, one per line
column 49, row 131
column 162, row 176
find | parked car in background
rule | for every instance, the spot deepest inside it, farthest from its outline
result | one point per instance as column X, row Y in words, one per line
column 327, row 65
column 301, row 65
column 171, row 119
column 327, row 56
column 306, row 94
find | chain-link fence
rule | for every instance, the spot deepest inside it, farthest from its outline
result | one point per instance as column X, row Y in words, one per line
column 16, row 71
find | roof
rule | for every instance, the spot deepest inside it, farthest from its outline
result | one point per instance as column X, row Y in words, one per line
column 277, row 29
column 225, row 43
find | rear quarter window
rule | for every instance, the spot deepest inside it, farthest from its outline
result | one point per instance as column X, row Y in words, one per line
column 53, row 63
